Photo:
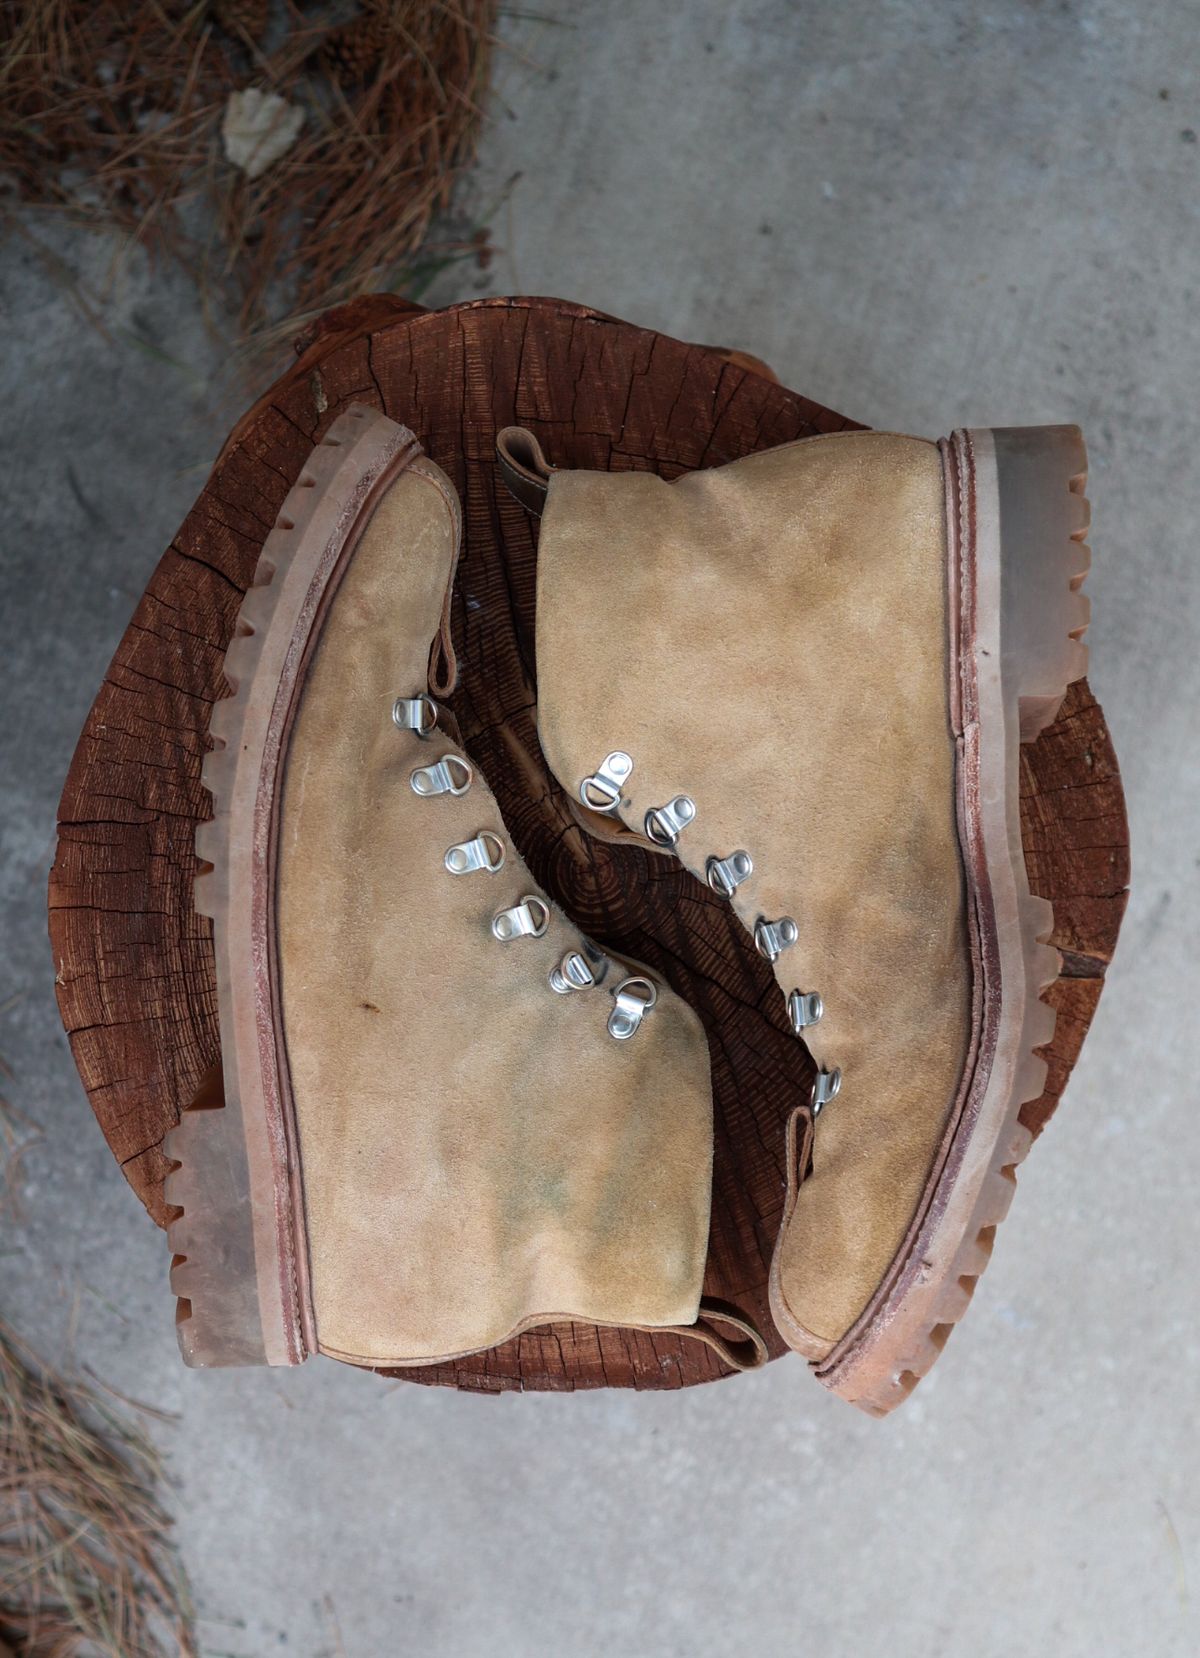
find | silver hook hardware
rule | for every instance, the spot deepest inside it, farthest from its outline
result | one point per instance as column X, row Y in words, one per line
column 663, row 823
column 528, row 919
column 451, row 775
column 418, row 714
column 602, row 791
column 580, row 969
column 825, row 1088
column 486, row 851
column 632, row 1001
column 725, row 875
column 572, row 973
column 772, row 938
column 805, row 1008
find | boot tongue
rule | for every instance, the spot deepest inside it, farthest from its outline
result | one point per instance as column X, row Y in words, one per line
column 606, row 659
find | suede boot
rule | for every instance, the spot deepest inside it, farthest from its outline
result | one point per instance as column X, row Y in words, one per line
column 447, row 1117
column 821, row 661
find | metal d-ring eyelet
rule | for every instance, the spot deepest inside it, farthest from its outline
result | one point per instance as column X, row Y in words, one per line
column 805, row 1008
column 580, row 969
column 450, row 775
column 528, row 919
column 725, row 875
column 825, row 1088
column 664, row 823
column 485, row 852
column 601, row 792
column 416, row 714
column 573, row 972
column 772, row 938
column 633, row 999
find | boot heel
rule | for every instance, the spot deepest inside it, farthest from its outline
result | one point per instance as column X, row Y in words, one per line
column 1040, row 474
column 213, row 1273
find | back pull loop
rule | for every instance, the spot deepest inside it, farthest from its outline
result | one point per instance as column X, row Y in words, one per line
column 524, row 467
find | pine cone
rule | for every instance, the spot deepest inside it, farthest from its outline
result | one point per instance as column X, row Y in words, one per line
column 242, row 19
column 354, row 50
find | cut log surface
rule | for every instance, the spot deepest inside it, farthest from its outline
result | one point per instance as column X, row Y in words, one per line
column 135, row 963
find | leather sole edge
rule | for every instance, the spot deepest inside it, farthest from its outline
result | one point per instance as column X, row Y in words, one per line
column 239, row 1255
column 1017, row 517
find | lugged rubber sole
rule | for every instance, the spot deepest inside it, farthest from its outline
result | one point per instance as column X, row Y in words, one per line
column 240, row 1268
column 1017, row 518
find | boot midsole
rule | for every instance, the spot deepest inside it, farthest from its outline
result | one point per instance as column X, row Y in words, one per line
column 240, row 1266
column 1015, row 518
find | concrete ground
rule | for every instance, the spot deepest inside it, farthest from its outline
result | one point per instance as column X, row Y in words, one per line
column 924, row 215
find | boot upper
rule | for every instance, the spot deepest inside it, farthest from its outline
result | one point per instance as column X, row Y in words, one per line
column 771, row 639
column 478, row 1153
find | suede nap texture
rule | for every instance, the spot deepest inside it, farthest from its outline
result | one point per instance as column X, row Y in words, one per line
column 478, row 1154
column 772, row 639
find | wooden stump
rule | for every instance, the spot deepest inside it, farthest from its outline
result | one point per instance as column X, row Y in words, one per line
column 135, row 964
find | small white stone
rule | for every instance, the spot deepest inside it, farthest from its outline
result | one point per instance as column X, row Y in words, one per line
column 258, row 128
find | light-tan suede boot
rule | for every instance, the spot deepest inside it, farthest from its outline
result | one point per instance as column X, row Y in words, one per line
column 447, row 1118
column 822, row 660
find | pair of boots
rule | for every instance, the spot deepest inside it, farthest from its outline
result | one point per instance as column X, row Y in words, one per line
column 448, row 1116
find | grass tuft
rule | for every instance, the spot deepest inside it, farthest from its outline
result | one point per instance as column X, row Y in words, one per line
column 86, row 1565
column 111, row 111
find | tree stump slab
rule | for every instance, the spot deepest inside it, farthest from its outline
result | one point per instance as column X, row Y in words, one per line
column 134, row 963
